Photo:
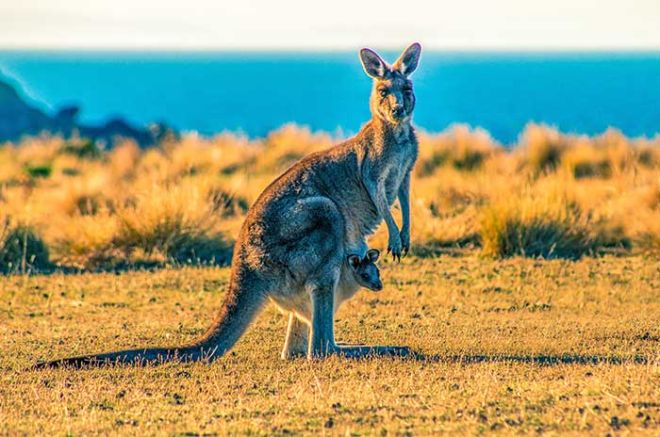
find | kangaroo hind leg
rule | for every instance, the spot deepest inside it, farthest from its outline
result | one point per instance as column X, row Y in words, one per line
column 322, row 336
column 296, row 343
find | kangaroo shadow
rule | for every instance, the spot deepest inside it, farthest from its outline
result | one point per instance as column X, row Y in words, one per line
column 541, row 360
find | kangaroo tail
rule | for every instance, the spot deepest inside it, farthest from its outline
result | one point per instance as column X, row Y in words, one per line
column 246, row 296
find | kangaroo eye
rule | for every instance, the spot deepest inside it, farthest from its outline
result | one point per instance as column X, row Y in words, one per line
column 407, row 90
column 382, row 92
column 364, row 276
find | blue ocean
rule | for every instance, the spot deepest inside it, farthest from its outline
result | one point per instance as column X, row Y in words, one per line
column 253, row 92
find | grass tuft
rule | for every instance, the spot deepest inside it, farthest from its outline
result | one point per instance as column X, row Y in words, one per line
column 460, row 148
column 177, row 224
column 542, row 148
column 21, row 249
column 82, row 148
column 38, row 171
column 532, row 227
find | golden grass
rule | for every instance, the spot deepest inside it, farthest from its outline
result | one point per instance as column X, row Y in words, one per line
column 184, row 201
column 541, row 223
column 21, row 249
column 511, row 346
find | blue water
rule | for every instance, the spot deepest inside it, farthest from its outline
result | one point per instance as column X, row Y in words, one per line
column 256, row 92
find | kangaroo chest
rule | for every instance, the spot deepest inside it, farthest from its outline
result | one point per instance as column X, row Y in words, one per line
column 398, row 164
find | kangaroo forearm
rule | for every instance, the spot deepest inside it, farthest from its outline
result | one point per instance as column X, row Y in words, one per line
column 386, row 214
column 392, row 228
column 404, row 202
column 380, row 202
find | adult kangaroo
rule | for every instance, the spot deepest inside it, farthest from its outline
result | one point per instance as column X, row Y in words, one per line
column 294, row 243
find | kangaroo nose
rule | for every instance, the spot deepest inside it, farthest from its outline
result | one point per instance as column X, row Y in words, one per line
column 397, row 111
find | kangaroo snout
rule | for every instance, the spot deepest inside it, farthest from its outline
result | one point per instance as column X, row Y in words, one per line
column 397, row 111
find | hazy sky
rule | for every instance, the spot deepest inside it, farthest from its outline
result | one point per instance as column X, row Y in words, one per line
column 330, row 24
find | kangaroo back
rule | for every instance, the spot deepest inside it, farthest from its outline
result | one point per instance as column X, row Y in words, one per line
column 245, row 298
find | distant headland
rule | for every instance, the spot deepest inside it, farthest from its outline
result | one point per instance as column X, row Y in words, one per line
column 18, row 119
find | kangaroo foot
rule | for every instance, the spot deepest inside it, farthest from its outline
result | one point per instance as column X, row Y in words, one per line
column 362, row 351
column 374, row 351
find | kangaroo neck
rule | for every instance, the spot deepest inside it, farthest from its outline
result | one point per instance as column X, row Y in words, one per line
column 386, row 135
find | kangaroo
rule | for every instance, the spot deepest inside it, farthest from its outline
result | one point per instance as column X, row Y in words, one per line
column 360, row 272
column 365, row 271
column 292, row 246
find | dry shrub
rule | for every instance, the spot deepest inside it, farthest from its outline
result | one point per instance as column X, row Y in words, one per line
column 449, row 206
column 647, row 153
column 450, row 191
column 604, row 156
column 90, row 193
column 584, row 160
column 184, row 200
column 86, row 242
column 430, row 234
column 11, row 171
column 541, row 149
column 237, row 153
column 636, row 211
column 123, row 159
column 192, row 156
column 177, row 223
column 459, row 147
column 21, row 248
column 223, row 154
column 547, row 227
column 616, row 149
column 38, row 150
column 82, row 148
column 153, row 167
column 645, row 232
column 288, row 144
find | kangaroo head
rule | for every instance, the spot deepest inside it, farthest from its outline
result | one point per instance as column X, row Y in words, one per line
column 365, row 270
column 392, row 98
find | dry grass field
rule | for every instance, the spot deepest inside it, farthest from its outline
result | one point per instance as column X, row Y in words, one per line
column 532, row 298
column 71, row 204
column 515, row 345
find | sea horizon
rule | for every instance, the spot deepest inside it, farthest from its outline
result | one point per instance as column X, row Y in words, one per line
column 254, row 92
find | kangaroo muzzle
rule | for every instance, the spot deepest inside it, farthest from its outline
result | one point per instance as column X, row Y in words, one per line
column 398, row 112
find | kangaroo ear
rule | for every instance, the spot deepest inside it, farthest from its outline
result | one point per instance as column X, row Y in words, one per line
column 373, row 64
column 353, row 261
column 373, row 254
column 407, row 62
